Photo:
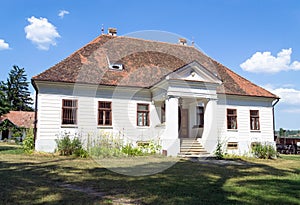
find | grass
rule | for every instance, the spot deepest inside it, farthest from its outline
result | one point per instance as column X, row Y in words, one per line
column 37, row 179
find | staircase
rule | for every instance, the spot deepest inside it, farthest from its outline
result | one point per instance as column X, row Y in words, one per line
column 191, row 148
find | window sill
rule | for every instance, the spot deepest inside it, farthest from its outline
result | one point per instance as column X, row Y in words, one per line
column 232, row 130
column 197, row 126
column 105, row 127
column 142, row 127
column 69, row 126
column 255, row 131
column 161, row 125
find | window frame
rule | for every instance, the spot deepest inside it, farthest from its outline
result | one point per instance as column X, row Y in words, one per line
column 104, row 110
column 200, row 116
column 65, row 120
column 232, row 145
column 147, row 112
column 229, row 116
column 256, row 120
column 163, row 113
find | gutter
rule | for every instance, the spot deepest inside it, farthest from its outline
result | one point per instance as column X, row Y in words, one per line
column 35, row 111
column 273, row 106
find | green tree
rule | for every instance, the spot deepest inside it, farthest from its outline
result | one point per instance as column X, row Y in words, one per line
column 4, row 105
column 281, row 132
column 16, row 89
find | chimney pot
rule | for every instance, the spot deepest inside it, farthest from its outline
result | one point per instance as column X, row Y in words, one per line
column 112, row 31
column 182, row 41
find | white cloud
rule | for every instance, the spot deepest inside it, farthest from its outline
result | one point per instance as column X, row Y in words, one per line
column 3, row 45
column 41, row 32
column 62, row 13
column 264, row 62
column 289, row 96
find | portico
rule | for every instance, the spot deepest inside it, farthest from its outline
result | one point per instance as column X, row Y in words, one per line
column 186, row 101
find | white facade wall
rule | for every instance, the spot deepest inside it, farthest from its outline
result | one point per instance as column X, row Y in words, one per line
column 124, row 114
column 243, row 135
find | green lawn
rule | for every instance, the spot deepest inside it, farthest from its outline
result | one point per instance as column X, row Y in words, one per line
column 44, row 179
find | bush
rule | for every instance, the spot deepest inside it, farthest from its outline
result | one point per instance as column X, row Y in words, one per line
column 263, row 151
column 28, row 142
column 150, row 147
column 67, row 147
column 130, row 150
column 219, row 153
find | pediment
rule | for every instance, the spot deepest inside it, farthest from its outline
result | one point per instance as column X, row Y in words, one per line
column 195, row 72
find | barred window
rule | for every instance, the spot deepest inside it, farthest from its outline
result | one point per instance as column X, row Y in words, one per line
column 143, row 115
column 231, row 119
column 200, row 116
column 69, row 112
column 104, row 113
column 254, row 120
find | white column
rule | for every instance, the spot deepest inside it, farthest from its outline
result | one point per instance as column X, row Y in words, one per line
column 210, row 131
column 170, row 140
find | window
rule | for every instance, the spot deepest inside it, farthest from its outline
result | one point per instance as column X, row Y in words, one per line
column 69, row 112
column 163, row 112
column 200, row 116
column 232, row 145
column 254, row 120
column 143, row 115
column 104, row 113
column 231, row 119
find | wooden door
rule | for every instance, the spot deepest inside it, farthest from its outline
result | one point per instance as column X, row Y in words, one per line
column 184, row 125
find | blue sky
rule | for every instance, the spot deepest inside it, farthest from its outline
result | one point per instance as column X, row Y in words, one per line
column 259, row 40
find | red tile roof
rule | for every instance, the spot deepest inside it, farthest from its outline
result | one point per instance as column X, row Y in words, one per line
column 145, row 63
column 19, row 118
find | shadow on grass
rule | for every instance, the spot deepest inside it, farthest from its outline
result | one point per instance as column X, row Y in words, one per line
column 10, row 149
column 37, row 182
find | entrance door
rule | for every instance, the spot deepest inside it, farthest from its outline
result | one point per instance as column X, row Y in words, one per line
column 5, row 134
column 183, row 123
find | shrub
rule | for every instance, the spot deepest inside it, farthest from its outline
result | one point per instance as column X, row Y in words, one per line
column 28, row 142
column 150, row 147
column 67, row 147
column 219, row 153
column 264, row 151
column 81, row 153
column 130, row 150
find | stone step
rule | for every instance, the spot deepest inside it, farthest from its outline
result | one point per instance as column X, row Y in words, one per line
column 192, row 143
column 191, row 147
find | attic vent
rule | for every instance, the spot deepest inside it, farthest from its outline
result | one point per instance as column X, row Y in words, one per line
column 182, row 41
column 116, row 66
column 112, row 31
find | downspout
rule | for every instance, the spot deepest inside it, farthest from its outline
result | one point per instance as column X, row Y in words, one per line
column 35, row 111
column 273, row 105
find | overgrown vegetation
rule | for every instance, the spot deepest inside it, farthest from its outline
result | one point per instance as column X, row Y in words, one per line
column 67, row 146
column 28, row 142
column 264, row 151
column 104, row 146
column 107, row 145
column 39, row 179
